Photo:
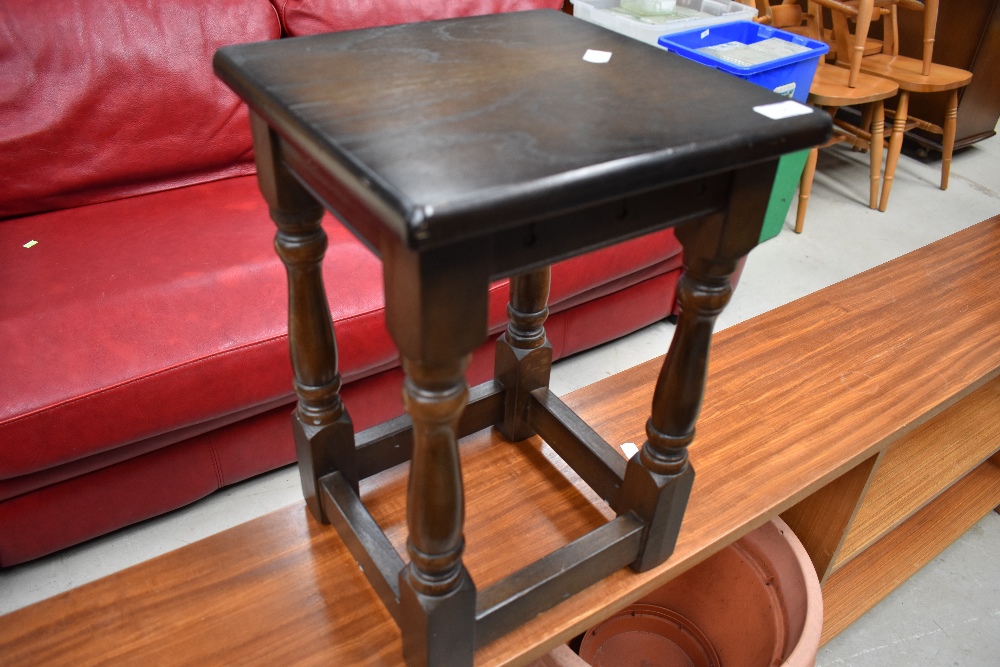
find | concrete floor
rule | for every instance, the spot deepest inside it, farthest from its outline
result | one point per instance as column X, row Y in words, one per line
column 948, row 614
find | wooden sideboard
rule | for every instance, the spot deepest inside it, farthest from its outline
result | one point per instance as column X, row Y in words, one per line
column 968, row 37
column 866, row 414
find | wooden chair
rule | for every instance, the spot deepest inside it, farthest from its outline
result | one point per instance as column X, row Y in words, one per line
column 835, row 87
column 913, row 76
column 787, row 16
column 872, row 45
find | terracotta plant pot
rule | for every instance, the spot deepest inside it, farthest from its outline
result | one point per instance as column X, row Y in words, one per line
column 756, row 603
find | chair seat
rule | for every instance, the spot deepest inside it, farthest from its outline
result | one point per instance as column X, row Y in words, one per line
column 829, row 88
column 907, row 73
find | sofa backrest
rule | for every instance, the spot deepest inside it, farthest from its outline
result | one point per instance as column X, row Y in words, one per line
column 107, row 99
column 308, row 17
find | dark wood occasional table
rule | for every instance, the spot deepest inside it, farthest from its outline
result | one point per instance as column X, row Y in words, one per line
column 469, row 150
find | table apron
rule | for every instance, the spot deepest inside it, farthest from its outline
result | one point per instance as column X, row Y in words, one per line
column 530, row 244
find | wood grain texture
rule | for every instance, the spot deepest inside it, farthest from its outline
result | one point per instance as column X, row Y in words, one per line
column 924, row 463
column 361, row 115
column 862, row 583
column 822, row 520
column 795, row 398
column 469, row 126
column 829, row 88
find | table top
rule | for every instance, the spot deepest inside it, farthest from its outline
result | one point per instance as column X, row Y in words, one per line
column 795, row 397
column 461, row 127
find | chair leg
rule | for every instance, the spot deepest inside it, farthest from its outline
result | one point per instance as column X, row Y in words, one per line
column 875, row 150
column 948, row 142
column 805, row 187
column 866, row 121
column 895, row 145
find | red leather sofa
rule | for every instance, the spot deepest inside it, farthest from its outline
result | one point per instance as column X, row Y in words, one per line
column 142, row 307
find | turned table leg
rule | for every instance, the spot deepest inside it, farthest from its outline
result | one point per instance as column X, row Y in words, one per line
column 324, row 434
column 436, row 312
column 437, row 595
column 658, row 479
column 523, row 353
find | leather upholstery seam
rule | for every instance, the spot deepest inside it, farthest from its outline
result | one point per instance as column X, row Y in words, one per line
column 219, row 477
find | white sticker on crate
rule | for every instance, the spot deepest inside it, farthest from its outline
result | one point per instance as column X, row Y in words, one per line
column 786, row 90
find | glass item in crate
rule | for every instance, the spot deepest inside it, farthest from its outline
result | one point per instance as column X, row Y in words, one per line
column 649, row 7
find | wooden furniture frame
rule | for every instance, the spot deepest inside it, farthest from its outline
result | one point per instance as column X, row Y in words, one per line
column 331, row 130
column 849, row 412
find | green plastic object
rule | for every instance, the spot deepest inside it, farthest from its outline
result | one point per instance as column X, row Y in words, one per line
column 786, row 183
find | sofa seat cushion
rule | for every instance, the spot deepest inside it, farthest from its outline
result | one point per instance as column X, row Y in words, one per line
column 310, row 17
column 143, row 320
column 102, row 100
column 96, row 495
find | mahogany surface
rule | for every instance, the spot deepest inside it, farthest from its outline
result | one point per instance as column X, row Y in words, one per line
column 795, row 398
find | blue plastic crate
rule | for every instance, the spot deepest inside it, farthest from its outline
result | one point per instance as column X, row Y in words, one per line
column 790, row 75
